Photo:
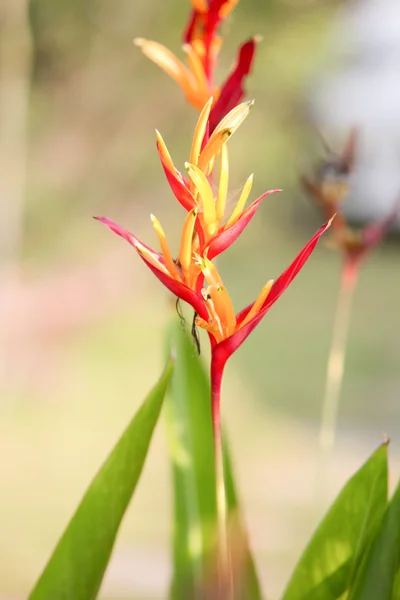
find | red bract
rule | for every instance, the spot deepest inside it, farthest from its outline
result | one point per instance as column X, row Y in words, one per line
column 201, row 46
column 227, row 335
column 202, row 29
column 227, row 235
column 232, row 91
column 157, row 265
column 214, row 234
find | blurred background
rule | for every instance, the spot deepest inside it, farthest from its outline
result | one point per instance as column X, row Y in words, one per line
column 81, row 318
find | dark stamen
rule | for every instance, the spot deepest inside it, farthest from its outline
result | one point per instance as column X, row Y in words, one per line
column 195, row 335
column 179, row 312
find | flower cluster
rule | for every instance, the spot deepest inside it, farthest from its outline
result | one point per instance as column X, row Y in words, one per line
column 207, row 230
column 201, row 47
column 329, row 187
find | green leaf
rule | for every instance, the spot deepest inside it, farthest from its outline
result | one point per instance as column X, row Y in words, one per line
column 376, row 577
column 396, row 590
column 330, row 561
column 76, row 567
column 188, row 410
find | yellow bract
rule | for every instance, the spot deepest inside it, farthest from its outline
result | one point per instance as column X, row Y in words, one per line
column 199, row 132
column 200, row 5
column 169, row 261
column 185, row 251
column 205, row 192
column 191, row 79
column 222, row 319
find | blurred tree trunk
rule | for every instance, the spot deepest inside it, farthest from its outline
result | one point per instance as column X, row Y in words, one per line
column 15, row 68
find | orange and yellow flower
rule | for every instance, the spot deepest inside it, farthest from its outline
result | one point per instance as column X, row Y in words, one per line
column 201, row 47
column 213, row 232
column 205, row 232
column 193, row 277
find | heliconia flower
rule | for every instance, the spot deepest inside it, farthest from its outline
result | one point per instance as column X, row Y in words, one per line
column 329, row 188
column 201, row 46
column 203, row 233
column 174, row 274
column 214, row 308
column 213, row 235
column 228, row 331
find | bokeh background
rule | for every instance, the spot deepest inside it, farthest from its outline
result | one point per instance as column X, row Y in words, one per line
column 81, row 319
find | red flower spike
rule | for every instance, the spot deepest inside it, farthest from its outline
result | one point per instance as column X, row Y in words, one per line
column 204, row 25
column 232, row 91
column 226, row 237
column 177, row 288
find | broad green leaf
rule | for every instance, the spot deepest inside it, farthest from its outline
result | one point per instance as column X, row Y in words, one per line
column 76, row 567
column 330, row 560
column 376, row 576
column 396, row 590
column 188, row 410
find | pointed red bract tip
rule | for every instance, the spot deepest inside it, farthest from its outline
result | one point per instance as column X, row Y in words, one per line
column 232, row 91
column 223, row 240
column 177, row 185
column 227, row 347
column 177, row 288
column 121, row 231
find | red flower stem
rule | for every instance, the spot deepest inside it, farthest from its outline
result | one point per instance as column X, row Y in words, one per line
column 224, row 560
column 336, row 361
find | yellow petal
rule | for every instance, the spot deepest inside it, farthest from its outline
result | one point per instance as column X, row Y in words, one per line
column 223, row 183
column 143, row 251
column 208, row 269
column 200, row 5
column 198, row 47
column 165, row 59
column 197, row 69
column 164, row 152
column 205, row 192
column 218, row 297
column 199, row 132
column 241, row 202
column 227, row 8
column 169, row 262
column 212, row 148
column 185, row 251
column 234, row 118
column 258, row 303
column 226, row 127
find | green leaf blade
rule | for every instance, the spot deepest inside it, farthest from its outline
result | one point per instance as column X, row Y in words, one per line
column 377, row 575
column 330, row 560
column 76, row 568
